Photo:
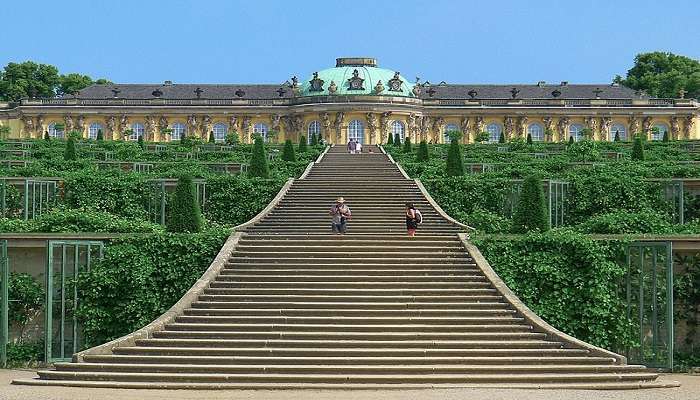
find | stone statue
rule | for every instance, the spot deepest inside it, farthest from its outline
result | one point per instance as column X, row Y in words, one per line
column 591, row 123
column 371, row 126
column 288, row 124
column 378, row 88
column 338, row 125
column 276, row 119
column 416, row 89
column 150, row 127
column 509, row 125
column 548, row 124
column 464, row 128
column 384, row 124
column 605, row 123
column 325, row 121
column 634, row 125
column 192, row 125
column 646, row 125
column 522, row 126
column 332, row 88
column 688, row 126
column 39, row 123
column 426, row 123
column 111, row 123
column 162, row 123
column 80, row 123
column 675, row 128
column 297, row 123
column 438, row 125
column 245, row 128
column 478, row 124
column 233, row 123
column 562, row 127
column 68, row 122
column 123, row 123
column 28, row 124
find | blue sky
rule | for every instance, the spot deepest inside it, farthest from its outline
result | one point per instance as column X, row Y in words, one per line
column 259, row 41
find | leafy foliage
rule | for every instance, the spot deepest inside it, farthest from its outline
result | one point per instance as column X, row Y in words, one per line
column 27, row 297
column 662, row 74
column 185, row 215
column 531, row 213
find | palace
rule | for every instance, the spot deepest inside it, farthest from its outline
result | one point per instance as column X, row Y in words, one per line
column 355, row 100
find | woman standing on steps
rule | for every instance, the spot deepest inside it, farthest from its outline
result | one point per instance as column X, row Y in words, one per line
column 413, row 218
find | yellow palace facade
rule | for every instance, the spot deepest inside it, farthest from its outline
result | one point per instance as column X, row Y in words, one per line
column 358, row 100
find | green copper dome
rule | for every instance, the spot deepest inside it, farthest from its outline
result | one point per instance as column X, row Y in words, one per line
column 356, row 76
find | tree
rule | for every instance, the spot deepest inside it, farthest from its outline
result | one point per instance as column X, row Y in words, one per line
column 530, row 213
column 571, row 140
column 72, row 83
column 422, row 153
column 302, row 144
column 314, row 140
column 407, row 145
column 288, row 151
column 232, row 138
column 529, row 138
column 455, row 165
column 638, row 149
column 140, row 142
column 482, row 137
column 185, row 215
column 100, row 135
column 70, row 154
column 502, row 138
column 617, row 136
column 28, row 79
column 211, row 137
column 665, row 137
column 662, row 74
column 258, row 160
column 390, row 140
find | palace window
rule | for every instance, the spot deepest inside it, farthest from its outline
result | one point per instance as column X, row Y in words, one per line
column 313, row 129
column 398, row 128
column 220, row 130
column 620, row 130
column 536, row 132
column 356, row 131
column 137, row 130
column 178, row 131
column 260, row 129
column 56, row 131
column 658, row 131
column 494, row 131
column 449, row 128
column 94, row 129
column 575, row 131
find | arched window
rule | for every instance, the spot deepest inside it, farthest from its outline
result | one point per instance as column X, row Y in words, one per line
column 449, row 128
column 356, row 131
column 137, row 130
column 398, row 128
column 536, row 132
column 620, row 130
column 56, row 130
column 575, row 131
column 658, row 131
column 94, row 129
column 178, row 131
column 220, row 129
column 260, row 129
column 494, row 131
column 313, row 129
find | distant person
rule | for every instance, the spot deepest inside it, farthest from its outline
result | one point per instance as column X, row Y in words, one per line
column 352, row 146
column 358, row 148
column 340, row 214
column 413, row 218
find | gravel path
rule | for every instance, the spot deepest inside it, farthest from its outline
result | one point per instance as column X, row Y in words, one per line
column 690, row 390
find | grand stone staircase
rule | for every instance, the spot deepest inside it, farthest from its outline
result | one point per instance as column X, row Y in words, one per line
column 292, row 306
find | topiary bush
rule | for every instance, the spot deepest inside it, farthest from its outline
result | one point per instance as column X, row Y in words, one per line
column 455, row 166
column 407, row 148
column 397, row 140
column 70, row 153
column 288, row 151
column 100, row 135
column 259, row 167
column 390, row 140
column 531, row 214
column 212, row 140
column 638, row 149
column 185, row 215
column 422, row 153
column 302, row 144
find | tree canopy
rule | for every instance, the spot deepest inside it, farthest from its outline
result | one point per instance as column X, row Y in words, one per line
column 662, row 74
column 30, row 79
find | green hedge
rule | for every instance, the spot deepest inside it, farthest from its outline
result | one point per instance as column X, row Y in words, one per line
column 568, row 279
column 139, row 279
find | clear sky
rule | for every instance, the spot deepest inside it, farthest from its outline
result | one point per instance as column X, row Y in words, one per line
column 261, row 41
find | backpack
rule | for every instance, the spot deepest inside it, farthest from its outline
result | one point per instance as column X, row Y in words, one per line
column 419, row 216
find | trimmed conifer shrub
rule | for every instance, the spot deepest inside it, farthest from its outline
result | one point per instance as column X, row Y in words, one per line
column 455, row 166
column 258, row 160
column 638, row 149
column 390, row 139
column 47, row 137
column 302, row 144
column 422, row 153
column 211, row 137
column 665, row 139
column 571, row 140
column 69, row 154
column 617, row 136
column 100, row 135
column 529, row 139
column 407, row 148
column 288, row 151
column 530, row 213
column 185, row 215
column 314, row 140
column 502, row 138
column 397, row 139
column 140, row 142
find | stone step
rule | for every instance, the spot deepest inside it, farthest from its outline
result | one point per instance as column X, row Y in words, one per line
column 345, row 320
column 349, row 237
column 352, row 291
column 364, row 361
column 340, row 307
column 365, row 269
column 231, row 276
column 331, row 248
column 351, row 335
column 333, row 298
column 503, row 326
column 324, row 258
column 319, row 312
column 264, row 284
